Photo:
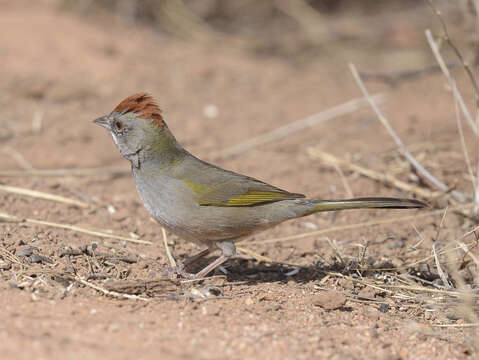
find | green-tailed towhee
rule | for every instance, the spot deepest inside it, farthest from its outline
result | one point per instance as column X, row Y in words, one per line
column 201, row 202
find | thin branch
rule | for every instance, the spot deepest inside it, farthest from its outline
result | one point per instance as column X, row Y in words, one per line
column 454, row 48
column 385, row 178
column 440, row 185
column 447, row 74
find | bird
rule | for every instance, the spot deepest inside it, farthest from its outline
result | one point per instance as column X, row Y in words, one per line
column 200, row 202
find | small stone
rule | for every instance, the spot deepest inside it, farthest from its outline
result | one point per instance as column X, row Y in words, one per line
column 384, row 308
column 367, row 293
column 27, row 251
column 453, row 316
column 39, row 259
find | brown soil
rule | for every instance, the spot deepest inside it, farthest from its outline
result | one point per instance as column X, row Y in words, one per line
column 67, row 69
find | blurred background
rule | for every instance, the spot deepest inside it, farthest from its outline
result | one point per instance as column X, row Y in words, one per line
column 223, row 71
column 294, row 30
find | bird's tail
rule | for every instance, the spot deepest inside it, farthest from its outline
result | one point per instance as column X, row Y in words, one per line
column 364, row 203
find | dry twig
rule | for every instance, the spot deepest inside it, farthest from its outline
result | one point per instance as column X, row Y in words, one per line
column 440, row 185
column 454, row 48
column 451, row 81
column 42, row 195
column 108, row 292
column 67, row 172
column 385, row 178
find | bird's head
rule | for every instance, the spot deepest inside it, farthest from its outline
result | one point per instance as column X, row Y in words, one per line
column 137, row 125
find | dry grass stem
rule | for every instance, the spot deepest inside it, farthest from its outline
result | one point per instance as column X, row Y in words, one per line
column 454, row 48
column 455, row 325
column 286, row 130
column 384, row 178
column 171, row 259
column 451, row 81
column 344, row 181
column 464, row 148
column 307, row 17
column 394, row 79
column 440, row 272
column 42, row 195
column 7, row 255
column 421, row 169
column 366, row 224
column 37, row 122
column 67, row 172
column 18, row 158
column 108, row 292
column 10, row 218
column 255, row 255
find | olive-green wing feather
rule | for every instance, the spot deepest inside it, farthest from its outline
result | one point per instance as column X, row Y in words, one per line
column 214, row 186
column 250, row 196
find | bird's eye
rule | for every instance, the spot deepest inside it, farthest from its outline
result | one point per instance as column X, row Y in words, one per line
column 118, row 125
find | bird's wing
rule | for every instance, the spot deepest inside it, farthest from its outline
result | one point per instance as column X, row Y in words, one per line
column 249, row 195
column 214, row 186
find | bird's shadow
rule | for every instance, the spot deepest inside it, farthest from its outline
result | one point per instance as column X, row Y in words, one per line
column 254, row 272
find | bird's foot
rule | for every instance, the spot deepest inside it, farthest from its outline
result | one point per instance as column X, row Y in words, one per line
column 178, row 270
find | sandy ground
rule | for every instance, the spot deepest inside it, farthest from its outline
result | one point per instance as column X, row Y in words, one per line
column 63, row 70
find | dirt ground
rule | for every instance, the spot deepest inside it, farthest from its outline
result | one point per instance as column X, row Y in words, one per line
column 364, row 292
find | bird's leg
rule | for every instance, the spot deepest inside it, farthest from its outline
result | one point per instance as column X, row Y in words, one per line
column 228, row 249
column 180, row 269
column 195, row 258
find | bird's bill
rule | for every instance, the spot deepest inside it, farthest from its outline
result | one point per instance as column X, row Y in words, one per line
column 103, row 121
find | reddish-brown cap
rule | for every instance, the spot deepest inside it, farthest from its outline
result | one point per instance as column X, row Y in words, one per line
column 144, row 106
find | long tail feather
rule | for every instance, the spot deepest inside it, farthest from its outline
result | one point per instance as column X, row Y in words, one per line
column 362, row 203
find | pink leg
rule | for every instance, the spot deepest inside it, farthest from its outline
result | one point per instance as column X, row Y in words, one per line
column 228, row 249
column 211, row 267
column 180, row 269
